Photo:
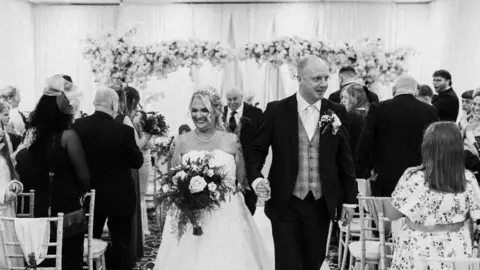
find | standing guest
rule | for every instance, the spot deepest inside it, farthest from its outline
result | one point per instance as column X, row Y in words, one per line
column 9, row 188
column 111, row 153
column 437, row 199
column 18, row 120
column 446, row 101
column 56, row 148
column 12, row 138
column 393, row 133
column 354, row 98
column 346, row 76
column 467, row 99
column 243, row 120
column 425, row 94
column 129, row 99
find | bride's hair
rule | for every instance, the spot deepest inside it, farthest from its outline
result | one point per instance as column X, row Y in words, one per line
column 213, row 102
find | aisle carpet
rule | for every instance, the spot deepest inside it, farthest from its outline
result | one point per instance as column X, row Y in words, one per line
column 152, row 242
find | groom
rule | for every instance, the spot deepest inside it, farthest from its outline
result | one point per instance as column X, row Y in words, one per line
column 312, row 171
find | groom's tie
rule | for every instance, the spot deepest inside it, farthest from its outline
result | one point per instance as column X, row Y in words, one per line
column 232, row 124
column 311, row 120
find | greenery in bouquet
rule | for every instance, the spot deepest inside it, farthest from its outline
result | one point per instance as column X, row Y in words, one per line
column 153, row 123
column 192, row 189
column 163, row 147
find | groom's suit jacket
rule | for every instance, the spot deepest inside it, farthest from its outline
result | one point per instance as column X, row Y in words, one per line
column 279, row 129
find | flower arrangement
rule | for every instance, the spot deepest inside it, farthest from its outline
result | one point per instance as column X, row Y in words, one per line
column 330, row 119
column 193, row 189
column 365, row 55
column 117, row 62
column 153, row 123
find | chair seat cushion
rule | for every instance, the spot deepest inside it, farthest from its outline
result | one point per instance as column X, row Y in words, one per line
column 372, row 250
column 98, row 248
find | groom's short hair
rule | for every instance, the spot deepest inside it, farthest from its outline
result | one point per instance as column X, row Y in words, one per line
column 303, row 63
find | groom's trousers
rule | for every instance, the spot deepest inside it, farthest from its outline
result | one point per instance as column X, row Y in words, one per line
column 300, row 234
column 119, row 256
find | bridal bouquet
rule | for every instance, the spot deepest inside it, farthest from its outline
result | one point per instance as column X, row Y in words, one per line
column 153, row 123
column 193, row 189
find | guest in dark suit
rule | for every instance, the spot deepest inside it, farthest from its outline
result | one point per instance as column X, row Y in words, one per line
column 425, row 94
column 244, row 120
column 446, row 102
column 312, row 172
column 393, row 132
column 111, row 153
column 355, row 100
column 347, row 75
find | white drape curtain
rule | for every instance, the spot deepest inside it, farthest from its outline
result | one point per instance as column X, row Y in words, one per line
column 17, row 49
column 39, row 41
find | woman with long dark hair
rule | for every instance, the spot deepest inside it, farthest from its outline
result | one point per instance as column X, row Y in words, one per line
column 129, row 99
column 56, row 148
column 437, row 200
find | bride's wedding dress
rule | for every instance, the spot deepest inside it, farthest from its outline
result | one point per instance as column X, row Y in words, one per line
column 230, row 237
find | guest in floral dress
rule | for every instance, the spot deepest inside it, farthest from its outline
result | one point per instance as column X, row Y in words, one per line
column 437, row 198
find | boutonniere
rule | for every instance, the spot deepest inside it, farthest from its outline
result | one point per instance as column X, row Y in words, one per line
column 330, row 119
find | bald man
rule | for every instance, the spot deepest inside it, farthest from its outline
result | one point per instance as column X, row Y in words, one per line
column 243, row 120
column 392, row 135
column 111, row 152
column 312, row 172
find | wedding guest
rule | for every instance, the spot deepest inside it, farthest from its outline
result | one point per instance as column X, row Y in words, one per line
column 111, row 153
column 347, row 75
column 12, row 139
column 9, row 188
column 56, row 148
column 425, row 94
column 354, row 98
column 437, row 198
column 472, row 129
column 129, row 99
column 18, row 120
column 467, row 99
column 393, row 133
column 243, row 120
column 446, row 101
column 184, row 129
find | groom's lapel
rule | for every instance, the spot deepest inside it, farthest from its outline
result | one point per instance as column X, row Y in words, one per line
column 324, row 136
column 291, row 118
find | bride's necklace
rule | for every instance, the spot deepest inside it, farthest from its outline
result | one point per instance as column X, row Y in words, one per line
column 205, row 141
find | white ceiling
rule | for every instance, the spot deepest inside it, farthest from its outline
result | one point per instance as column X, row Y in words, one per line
column 110, row 2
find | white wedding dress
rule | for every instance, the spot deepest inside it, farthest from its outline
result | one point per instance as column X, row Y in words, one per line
column 230, row 237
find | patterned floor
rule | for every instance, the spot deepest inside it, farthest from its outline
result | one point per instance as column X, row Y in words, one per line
column 152, row 242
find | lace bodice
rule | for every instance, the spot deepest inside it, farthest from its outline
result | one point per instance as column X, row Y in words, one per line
column 219, row 159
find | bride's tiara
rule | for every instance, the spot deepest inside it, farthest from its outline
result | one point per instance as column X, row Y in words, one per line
column 209, row 91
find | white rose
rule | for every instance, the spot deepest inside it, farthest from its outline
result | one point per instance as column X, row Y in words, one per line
column 210, row 173
column 165, row 188
column 212, row 187
column 180, row 175
column 197, row 184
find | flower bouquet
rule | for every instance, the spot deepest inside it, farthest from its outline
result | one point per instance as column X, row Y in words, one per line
column 153, row 123
column 193, row 189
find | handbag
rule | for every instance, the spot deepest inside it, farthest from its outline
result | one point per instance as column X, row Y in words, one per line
column 73, row 222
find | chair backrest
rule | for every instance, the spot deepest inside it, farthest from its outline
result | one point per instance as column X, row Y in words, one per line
column 364, row 188
column 90, row 216
column 369, row 208
column 386, row 245
column 11, row 246
column 447, row 263
column 21, row 204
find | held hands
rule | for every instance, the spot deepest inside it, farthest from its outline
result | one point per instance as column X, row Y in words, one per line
column 263, row 190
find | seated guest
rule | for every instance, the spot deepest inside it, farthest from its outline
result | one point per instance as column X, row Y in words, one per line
column 354, row 98
column 472, row 128
column 56, row 148
column 425, row 94
column 437, row 199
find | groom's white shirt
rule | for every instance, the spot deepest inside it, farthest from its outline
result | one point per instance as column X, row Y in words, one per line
column 310, row 115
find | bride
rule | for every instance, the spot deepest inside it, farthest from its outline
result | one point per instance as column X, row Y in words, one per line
column 230, row 237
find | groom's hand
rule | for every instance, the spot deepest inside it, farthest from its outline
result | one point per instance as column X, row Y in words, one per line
column 347, row 215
